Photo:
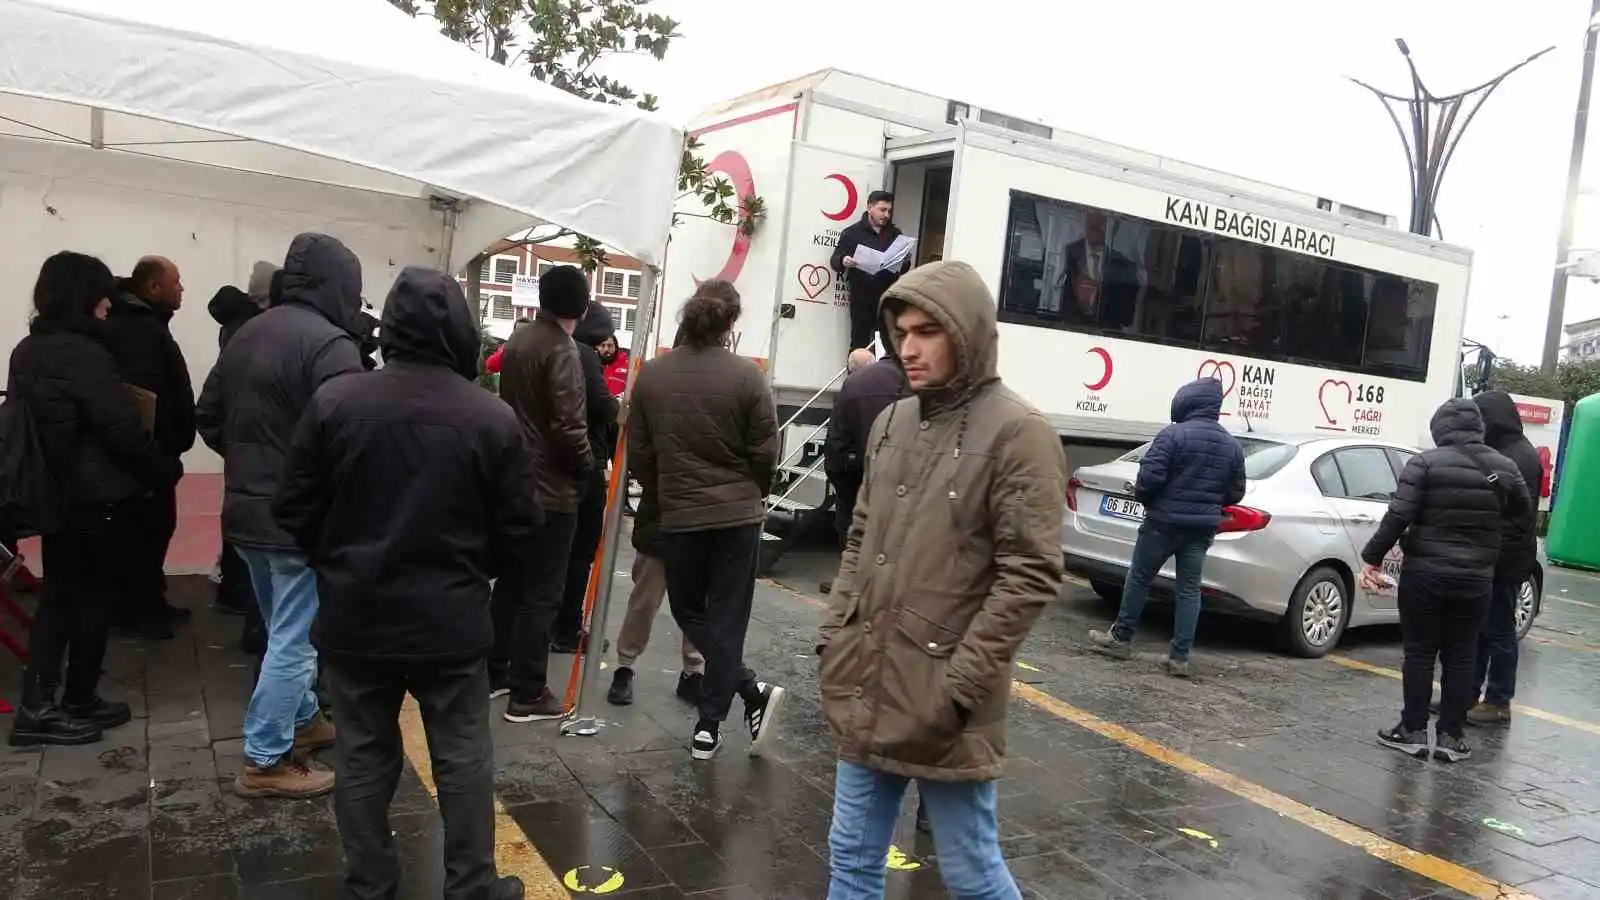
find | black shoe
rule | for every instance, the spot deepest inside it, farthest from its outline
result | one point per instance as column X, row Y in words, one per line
column 1452, row 748
column 762, row 717
column 707, row 740
column 1411, row 743
column 690, row 684
column 621, row 693
column 499, row 685
column 565, row 644
column 103, row 713
column 47, row 724
column 545, row 706
column 508, row 887
column 826, row 588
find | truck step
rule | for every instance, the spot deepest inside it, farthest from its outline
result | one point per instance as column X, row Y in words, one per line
column 804, row 470
column 788, row 504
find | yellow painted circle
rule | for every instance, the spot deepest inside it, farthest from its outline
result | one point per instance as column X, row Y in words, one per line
column 576, row 878
column 899, row 861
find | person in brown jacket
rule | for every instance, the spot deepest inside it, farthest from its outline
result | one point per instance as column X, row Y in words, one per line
column 542, row 378
column 703, row 437
column 954, row 549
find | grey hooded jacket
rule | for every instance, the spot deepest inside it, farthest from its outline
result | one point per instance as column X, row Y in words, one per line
column 265, row 377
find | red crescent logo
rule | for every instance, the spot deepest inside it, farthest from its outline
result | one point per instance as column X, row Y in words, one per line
column 851, row 198
column 1105, row 377
column 733, row 165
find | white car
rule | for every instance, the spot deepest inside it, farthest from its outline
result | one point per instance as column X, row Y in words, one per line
column 1289, row 552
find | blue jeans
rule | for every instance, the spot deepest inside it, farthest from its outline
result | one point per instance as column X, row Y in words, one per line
column 966, row 834
column 283, row 701
column 1497, row 647
column 1157, row 544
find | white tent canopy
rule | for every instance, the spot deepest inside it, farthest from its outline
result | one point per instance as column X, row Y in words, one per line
column 350, row 94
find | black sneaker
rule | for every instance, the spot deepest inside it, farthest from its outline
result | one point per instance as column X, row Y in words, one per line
column 545, row 706
column 707, row 741
column 621, row 693
column 762, row 717
column 506, row 887
column 50, row 725
column 1411, row 743
column 103, row 713
column 499, row 685
column 1452, row 748
column 566, row 644
column 690, row 684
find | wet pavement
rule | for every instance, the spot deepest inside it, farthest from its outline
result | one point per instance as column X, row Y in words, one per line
column 1258, row 778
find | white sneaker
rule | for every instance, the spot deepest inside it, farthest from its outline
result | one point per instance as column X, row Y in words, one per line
column 706, row 744
column 763, row 717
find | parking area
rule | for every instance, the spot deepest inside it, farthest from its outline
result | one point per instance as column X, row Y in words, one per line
column 1257, row 778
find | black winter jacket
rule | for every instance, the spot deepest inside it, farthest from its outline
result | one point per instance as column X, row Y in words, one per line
column 865, row 290
column 866, row 392
column 1449, row 511
column 88, row 424
column 595, row 327
column 1502, row 430
column 1194, row 467
column 409, row 488
column 264, row 379
column 140, row 338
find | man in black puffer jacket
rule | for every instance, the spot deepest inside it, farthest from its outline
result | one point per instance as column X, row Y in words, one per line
column 1451, row 507
column 409, row 489
column 251, row 403
column 1519, row 557
column 1190, row 472
column 139, row 333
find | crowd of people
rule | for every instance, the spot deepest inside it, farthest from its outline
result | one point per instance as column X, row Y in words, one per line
column 393, row 529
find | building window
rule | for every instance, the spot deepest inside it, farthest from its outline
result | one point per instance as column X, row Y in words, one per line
column 620, row 283
column 486, row 271
column 541, row 266
column 505, row 269
column 622, row 317
column 1095, row 271
column 502, row 308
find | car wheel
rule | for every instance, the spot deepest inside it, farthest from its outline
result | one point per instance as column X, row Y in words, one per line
column 1108, row 591
column 1527, row 606
column 1318, row 611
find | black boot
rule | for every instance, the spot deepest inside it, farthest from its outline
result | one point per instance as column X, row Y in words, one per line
column 40, row 721
column 99, row 712
column 621, row 693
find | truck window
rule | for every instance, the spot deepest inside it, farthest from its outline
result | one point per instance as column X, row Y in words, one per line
column 1096, row 271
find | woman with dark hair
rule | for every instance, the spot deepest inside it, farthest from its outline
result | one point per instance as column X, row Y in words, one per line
column 703, row 436
column 101, row 461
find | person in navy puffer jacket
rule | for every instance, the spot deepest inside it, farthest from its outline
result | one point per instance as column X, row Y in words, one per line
column 1190, row 472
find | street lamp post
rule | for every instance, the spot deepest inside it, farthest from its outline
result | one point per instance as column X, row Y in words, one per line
column 1569, row 208
column 1437, row 124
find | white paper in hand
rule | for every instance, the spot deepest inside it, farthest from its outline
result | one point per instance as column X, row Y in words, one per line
column 868, row 260
column 898, row 251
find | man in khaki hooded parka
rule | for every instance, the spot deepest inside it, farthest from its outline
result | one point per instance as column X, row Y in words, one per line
column 953, row 551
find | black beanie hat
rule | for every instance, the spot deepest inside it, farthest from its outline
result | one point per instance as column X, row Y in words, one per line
column 564, row 292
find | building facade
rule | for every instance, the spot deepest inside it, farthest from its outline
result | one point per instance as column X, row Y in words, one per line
column 1582, row 340
column 508, row 286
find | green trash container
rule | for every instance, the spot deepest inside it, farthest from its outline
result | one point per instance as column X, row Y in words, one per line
column 1573, row 541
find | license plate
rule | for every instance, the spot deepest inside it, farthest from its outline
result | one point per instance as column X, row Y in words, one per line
column 1121, row 507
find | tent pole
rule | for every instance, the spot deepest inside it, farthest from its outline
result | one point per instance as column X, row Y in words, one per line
column 583, row 718
column 449, row 213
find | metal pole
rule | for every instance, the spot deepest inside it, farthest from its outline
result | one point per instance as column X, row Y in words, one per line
column 583, row 719
column 1569, row 209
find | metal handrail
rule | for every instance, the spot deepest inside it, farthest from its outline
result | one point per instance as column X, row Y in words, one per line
column 799, row 450
column 876, row 348
column 794, row 484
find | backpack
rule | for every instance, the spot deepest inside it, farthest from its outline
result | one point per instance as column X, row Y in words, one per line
column 28, row 499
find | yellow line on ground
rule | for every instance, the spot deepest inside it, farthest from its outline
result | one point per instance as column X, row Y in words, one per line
column 1518, row 709
column 1568, row 600
column 1431, row 867
column 514, row 854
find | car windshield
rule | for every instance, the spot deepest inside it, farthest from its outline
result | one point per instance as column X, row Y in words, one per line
column 1262, row 458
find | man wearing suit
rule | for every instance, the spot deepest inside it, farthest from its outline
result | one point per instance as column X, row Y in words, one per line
column 1102, row 285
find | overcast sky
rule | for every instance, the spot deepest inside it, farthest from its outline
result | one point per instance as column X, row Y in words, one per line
column 1255, row 87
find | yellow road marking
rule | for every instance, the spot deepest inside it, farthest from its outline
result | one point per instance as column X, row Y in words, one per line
column 1560, row 599
column 514, row 854
column 1520, row 709
column 1562, row 642
column 1431, row 867
column 577, row 880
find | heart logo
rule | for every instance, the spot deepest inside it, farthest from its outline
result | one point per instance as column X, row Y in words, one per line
column 1221, row 370
column 814, row 279
column 1322, row 397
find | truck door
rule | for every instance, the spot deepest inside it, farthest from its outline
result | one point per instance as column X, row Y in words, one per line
column 828, row 192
